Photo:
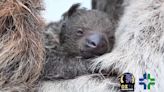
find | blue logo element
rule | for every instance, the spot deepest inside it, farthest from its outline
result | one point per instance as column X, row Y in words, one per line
column 150, row 81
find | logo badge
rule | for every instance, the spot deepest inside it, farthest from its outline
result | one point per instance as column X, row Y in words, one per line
column 147, row 81
column 127, row 82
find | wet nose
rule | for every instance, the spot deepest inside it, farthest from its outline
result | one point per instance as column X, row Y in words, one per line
column 96, row 43
column 93, row 41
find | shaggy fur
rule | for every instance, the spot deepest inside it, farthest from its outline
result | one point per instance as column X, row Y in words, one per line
column 138, row 49
column 21, row 48
column 51, row 35
column 59, row 66
column 64, row 56
column 139, row 44
column 114, row 8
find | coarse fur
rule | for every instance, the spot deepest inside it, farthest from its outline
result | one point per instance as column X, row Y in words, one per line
column 87, row 21
column 139, row 43
column 21, row 48
column 52, row 35
column 138, row 49
column 58, row 66
column 63, row 42
column 114, row 8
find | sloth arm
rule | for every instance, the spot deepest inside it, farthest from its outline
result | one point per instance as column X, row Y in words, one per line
column 83, row 83
column 62, row 67
column 65, row 69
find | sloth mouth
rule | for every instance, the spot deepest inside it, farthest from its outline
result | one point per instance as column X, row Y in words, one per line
column 89, row 54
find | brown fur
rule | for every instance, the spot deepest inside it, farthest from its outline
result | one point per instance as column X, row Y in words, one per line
column 70, row 56
column 21, row 49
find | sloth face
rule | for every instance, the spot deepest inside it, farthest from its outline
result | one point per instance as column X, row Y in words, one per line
column 87, row 33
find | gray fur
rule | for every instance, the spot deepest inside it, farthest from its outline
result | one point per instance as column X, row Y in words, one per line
column 114, row 8
column 139, row 43
column 63, row 57
column 138, row 49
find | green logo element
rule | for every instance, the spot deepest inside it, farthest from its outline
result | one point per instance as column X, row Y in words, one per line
column 150, row 81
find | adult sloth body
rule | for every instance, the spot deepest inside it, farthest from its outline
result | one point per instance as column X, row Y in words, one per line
column 139, row 43
column 21, row 48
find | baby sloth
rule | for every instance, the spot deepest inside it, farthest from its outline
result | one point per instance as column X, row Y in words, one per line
column 84, row 35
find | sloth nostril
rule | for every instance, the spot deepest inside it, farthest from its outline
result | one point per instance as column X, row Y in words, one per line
column 91, row 44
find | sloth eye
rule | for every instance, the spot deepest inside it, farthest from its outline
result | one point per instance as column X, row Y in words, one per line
column 80, row 32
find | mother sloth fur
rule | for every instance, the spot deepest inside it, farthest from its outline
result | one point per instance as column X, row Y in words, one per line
column 21, row 49
column 139, row 44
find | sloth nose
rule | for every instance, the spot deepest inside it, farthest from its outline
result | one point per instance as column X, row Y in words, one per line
column 96, row 43
column 93, row 41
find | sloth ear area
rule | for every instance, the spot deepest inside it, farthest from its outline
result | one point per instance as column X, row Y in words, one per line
column 71, row 10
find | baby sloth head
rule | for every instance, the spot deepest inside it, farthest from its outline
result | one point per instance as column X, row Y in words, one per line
column 86, row 33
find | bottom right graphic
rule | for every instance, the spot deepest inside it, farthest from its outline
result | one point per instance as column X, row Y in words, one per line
column 147, row 81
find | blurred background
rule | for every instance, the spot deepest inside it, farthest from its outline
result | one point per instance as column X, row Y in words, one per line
column 54, row 8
